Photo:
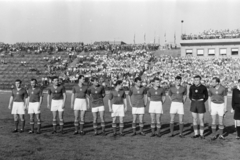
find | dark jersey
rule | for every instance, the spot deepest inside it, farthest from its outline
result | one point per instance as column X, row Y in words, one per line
column 56, row 93
column 177, row 94
column 198, row 92
column 236, row 99
column 80, row 92
column 97, row 95
column 137, row 96
column 217, row 95
column 19, row 95
column 156, row 94
column 117, row 96
column 35, row 94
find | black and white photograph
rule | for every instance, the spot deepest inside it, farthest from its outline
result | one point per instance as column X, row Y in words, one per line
column 119, row 79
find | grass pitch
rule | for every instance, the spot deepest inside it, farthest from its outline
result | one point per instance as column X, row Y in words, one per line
column 22, row 146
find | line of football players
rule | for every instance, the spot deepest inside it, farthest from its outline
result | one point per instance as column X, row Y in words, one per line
column 84, row 98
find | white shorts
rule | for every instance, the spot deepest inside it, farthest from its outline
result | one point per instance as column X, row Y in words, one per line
column 80, row 104
column 18, row 108
column 136, row 110
column 33, row 108
column 118, row 110
column 217, row 109
column 98, row 109
column 57, row 105
column 155, row 107
column 177, row 108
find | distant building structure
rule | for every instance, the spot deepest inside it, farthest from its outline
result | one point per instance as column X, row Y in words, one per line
column 109, row 42
column 207, row 48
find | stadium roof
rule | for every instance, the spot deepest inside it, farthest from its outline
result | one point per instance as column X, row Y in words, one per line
column 117, row 42
column 210, row 41
column 108, row 42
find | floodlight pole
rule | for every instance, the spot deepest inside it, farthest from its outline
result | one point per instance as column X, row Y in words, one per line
column 181, row 28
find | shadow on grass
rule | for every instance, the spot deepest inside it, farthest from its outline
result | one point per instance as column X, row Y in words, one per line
column 188, row 128
column 229, row 130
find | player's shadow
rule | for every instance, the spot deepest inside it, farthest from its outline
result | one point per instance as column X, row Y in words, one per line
column 189, row 130
column 147, row 128
column 207, row 129
column 128, row 127
column 47, row 128
column 229, row 130
column 69, row 126
column 165, row 128
column 89, row 128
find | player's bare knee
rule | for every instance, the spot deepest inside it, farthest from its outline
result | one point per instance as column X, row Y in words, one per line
column 194, row 119
column 121, row 120
column 82, row 119
column 153, row 120
column 22, row 118
column 220, row 123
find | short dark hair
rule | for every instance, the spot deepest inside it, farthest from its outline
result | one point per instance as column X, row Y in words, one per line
column 197, row 76
column 18, row 80
column 93, row 79
column 80, row 77
column 216, row 79
column 118, row 82
column 156, row 79
column 34, row 79
column 178, row 78
column 54, row 77
column 137, row 79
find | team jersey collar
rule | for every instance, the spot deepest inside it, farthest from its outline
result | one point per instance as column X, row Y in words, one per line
column 177, row 86
column 116, row 90
column 238, row 87
column 155, row 88
column 55, row 87
column 198, row 85
column 95, row 87
column 138, row 87
column 217, row 87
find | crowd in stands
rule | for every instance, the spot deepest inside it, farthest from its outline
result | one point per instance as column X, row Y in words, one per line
column 213, row 34
column 128, row 65
column 42, row 47
column 137, row 60
column 72, row 47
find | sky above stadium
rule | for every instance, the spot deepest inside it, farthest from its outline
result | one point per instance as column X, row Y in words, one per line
column 109, row 20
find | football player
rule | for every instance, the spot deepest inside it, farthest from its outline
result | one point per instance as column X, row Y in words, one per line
column 34, row 105
column 79, row 103
column 156, row 97
column 97, row 93
column 138, row 102
column 18, row 104
column 177, row 95
column 56, row 100
column 118, row 106
column 198, row 95
column 217, row 104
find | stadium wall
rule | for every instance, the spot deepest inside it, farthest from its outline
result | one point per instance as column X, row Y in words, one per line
column 211, row 48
